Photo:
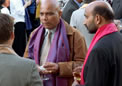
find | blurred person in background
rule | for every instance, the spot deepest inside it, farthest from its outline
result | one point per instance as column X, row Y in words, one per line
column 77, row 19
column 4, row 4
column 17, row 9
column 71, row 6
column 35, row 22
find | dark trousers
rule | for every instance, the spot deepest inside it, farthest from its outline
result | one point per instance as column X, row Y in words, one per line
column 20, row 38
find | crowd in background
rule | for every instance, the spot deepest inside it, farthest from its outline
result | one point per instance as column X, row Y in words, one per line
column 63, row 38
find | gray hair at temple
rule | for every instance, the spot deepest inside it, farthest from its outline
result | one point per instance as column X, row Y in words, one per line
column 6, row 27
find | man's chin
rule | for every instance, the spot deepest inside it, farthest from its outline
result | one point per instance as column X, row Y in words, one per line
column 47, row 27
column 92, row 32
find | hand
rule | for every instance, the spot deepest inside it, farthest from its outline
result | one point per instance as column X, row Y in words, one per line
column 51, row 67
column 37, row 2
column 118, row 24
column 27, row 4
column 76, row 74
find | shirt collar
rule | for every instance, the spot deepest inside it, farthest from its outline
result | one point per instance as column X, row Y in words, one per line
column 52, row 31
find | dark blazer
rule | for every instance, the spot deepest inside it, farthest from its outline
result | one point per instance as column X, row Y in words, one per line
column 68, row 9
column 104, row 64
column 117, row 7
column 17, row 71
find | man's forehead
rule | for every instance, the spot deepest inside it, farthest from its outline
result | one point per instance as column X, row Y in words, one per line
column 48, row 6
column 49, row 3
column 88, row 11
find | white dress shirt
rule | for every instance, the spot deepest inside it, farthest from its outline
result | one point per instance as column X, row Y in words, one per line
column 17, row 10
column 5, row 10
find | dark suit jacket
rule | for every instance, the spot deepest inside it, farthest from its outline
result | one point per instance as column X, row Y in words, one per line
column 104, row 64
column 17, row 71
column 117, row 7
column 68, row 9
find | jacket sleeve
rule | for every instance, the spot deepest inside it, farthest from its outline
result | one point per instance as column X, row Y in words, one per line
column 78, row 51
column 35, row 79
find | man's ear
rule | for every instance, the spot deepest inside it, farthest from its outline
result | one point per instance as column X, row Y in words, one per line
column 60, row 13
column 98, row 19
column 12, row 36
column 11, row 39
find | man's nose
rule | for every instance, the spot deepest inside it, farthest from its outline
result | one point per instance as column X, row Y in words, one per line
column 45, row 17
